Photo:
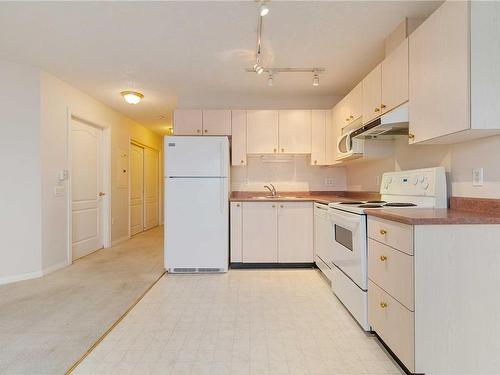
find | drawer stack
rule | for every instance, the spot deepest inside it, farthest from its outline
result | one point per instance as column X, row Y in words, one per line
column 391, row 286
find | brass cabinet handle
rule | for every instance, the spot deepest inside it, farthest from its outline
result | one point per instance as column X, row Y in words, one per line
column 411, row 136
column 242, row 161
column 206, row 131
column 315, row 162
column 282, row 150
column 383, row 305
column 281, row 206
column 274, row 150
column 273, row 206
column 383, row 106
column 347, row 119
column 238, row 205
column 383, row 231
column 377, row 109
column 383, row 258
column 351, row 117
column 198, row 130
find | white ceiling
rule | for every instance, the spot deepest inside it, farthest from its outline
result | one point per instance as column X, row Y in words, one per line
column 193, row 54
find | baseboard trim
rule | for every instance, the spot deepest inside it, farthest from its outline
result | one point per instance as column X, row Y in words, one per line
column 54, row 268
column 22, row 277
column 119, row 240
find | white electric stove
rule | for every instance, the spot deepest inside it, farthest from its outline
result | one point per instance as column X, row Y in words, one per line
column 421, row 188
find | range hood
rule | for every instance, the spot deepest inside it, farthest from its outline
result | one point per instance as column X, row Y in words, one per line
column 388, row 126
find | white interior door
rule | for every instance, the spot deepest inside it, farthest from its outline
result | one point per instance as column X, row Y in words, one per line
column 86, row 189
column 150, row 188
column 136, row 189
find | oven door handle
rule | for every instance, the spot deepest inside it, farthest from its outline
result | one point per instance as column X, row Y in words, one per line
column 343, row 220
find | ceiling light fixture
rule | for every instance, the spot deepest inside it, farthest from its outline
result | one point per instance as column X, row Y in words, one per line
column 132, row 97
column 315, row 79
column 263, row 10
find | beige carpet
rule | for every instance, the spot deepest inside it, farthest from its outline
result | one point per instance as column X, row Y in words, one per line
column 47, row 324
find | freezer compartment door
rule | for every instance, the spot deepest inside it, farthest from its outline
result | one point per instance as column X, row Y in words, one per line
column 196, row 156
column 196, row 224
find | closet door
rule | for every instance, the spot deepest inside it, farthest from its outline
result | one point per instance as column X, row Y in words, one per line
column 151, row 189
column 136, row 189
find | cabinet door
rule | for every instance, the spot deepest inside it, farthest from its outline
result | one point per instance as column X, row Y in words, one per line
column 239, row 137
column 260, row 237
column 343, row 112
column 356, row 102
column 395, row 78
column 216, row 122
column 337, row 122
column 372, row 94
column 188, row 122
column 295, row 232
column 295, row 132
column 236, row 232
column 439, row 73
column 262, row 132
column 330, row 138
column 318, row 137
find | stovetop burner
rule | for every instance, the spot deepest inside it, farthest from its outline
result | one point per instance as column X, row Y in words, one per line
column 371, row 205
column 375, row 202
column 352, row 202
column 399, row 204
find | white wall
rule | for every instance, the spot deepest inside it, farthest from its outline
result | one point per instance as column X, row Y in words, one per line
column 20, row 198
column 296, row 174
column 458, row 159
column 56, row 97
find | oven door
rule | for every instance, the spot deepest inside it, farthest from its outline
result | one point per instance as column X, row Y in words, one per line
column 349, row 245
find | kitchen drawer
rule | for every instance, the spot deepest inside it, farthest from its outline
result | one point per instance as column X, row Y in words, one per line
column 392, row 270
column 397, row 235
column 394, row 323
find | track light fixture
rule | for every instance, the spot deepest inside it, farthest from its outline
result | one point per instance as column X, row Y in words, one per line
column 270, row 79
column 263, row 10
column 315, row 79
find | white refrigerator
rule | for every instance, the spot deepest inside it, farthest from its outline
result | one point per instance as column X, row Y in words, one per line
column 196, row 204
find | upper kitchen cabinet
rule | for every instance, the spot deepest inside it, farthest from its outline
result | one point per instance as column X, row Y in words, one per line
column 395, row 78
column 372, row 94
column 351, row 106
column 262, row 132
column 216, row 122
column 322, row 138
column 454, row 70
column 188, row 122
column 239, row 137
column 295, row 131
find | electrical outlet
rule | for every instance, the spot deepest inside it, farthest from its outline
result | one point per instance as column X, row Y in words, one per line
column 477, row 177
column 329, row 181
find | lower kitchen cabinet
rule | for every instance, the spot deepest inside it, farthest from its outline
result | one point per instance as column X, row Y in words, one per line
column 295, row 232
column 272, row 232
column 435, row 305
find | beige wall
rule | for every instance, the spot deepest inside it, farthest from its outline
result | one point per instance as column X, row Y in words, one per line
column 57, row 97
column 20, row 200
column 458, row 159
column 296, row 174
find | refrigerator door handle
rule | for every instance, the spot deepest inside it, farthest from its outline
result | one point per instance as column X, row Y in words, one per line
column 221, row 205
column 222, row 159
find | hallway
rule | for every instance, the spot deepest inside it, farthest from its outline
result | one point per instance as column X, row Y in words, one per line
column 47, row 324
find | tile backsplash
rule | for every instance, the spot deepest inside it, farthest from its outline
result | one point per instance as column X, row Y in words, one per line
column 287, row 173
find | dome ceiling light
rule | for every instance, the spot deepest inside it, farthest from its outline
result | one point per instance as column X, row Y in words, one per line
column 132, row 97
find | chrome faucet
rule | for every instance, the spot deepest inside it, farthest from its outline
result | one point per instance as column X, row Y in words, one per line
column 271, row 189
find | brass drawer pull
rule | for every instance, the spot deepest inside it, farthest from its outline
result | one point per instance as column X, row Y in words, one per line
column 383, row 258
column 238, row 205
column 411, row 136
column 383, row 232
column 377, row 109
column 383, row 305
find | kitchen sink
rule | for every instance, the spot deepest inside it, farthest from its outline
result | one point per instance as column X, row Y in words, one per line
column 270, row 197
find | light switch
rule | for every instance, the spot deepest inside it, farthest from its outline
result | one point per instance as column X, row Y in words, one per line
column 477, row 177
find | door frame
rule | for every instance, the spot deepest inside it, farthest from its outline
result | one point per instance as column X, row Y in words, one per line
column 160, row 176
column 106, row 180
